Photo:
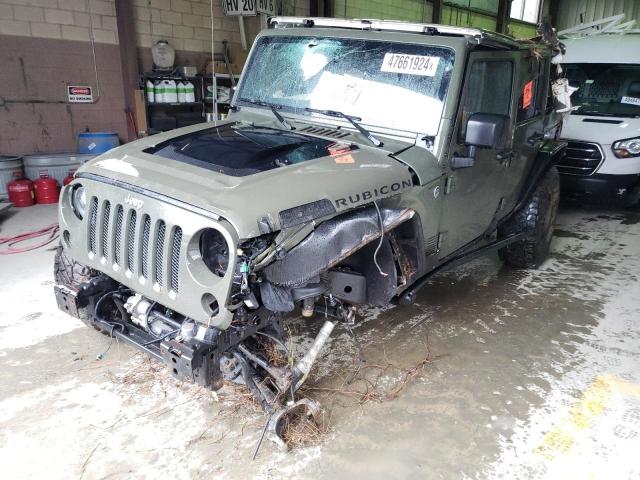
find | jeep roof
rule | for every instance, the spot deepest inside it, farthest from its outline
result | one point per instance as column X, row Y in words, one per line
column 476, row 35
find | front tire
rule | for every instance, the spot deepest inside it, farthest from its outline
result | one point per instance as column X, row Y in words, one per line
column 536, row 218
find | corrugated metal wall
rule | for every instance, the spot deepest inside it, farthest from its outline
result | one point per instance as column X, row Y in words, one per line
column 575, row 12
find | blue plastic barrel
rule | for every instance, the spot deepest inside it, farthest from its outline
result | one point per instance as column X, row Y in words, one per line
column 97, row 142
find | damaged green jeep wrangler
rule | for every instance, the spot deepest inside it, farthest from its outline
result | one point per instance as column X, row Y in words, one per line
column 360, row 158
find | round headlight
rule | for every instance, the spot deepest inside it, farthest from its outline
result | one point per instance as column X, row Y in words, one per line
column 79, row 201
column 215, row 251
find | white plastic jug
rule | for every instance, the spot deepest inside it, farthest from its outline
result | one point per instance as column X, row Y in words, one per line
column 170, row 91
column 182, row 92
column 190, row 92
column 158, row 91
column 149, row 90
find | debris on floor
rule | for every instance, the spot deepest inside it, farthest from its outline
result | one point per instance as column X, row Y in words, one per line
column 526, row 375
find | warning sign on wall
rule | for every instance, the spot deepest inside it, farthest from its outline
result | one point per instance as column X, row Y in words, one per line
column 78, row 94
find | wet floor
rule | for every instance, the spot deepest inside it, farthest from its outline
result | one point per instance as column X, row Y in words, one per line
column 492, row 374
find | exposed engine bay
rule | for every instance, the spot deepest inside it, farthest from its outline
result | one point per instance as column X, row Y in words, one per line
column 269, row 280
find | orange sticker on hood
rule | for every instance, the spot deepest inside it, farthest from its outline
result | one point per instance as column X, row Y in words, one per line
column 344, row 159
column 338, row 149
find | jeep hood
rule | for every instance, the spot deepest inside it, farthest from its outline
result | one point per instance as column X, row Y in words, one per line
column 248, row 173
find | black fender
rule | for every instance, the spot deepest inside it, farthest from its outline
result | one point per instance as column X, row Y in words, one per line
column 548, row 155
column 351, row 240
column 331, row 242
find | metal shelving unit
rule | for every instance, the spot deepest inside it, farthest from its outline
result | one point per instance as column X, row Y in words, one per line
column 213, row 104
column 158, row 111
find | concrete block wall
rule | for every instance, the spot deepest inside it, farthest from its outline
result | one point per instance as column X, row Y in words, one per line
column 187, row 24
column 36, row 116
column 60, row 19
column 44, row 46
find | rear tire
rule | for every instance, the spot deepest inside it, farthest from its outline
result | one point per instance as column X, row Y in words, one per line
column 536, row 219
column 72, row 274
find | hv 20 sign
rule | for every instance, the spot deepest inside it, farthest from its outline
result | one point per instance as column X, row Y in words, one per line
column 78, row 94
column 249, row 7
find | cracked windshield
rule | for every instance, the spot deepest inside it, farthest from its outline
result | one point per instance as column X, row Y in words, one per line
column 385, row 85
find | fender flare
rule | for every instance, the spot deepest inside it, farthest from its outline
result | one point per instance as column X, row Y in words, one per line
column 331, row 242
column 548, row 155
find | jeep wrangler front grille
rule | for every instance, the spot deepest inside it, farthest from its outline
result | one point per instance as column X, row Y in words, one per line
column 93, row 220
column 131, row 233
column 146, row 231
column 162, row 227
column 118, row 240
column 126, row 239
column 175, row 258
column 581, row 158
column 105, row 229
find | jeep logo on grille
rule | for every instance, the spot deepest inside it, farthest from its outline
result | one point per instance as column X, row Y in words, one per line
column 134, row 202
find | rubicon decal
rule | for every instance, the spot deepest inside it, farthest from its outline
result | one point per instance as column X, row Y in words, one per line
column 378, row 192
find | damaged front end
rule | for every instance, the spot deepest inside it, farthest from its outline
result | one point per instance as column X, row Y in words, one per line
column 362, row 256
column 177, row 283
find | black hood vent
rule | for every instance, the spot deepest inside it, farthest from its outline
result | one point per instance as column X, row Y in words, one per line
column 239, row 151
column 325, row 132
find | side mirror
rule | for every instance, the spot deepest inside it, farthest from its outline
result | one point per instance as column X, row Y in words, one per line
column 486, row 130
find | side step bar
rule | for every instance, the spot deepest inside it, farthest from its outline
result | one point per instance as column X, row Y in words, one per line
column 409, row 295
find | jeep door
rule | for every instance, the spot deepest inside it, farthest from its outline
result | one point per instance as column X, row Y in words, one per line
column 474, row 191
column 532, row 89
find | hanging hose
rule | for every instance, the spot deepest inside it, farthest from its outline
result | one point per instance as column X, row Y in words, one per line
column 375, row 254
column 50, row 233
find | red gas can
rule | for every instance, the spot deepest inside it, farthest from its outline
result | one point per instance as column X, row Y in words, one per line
column 47, row 190
column 69, row 178
column 21, row 192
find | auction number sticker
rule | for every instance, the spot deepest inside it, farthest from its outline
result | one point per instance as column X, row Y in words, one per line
column 630, row 100
column 410, row 64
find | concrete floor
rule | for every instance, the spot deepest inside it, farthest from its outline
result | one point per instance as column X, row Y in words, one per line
column 532, row 375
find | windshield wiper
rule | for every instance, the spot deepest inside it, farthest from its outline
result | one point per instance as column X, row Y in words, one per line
column 274, row 107
column 352, row 120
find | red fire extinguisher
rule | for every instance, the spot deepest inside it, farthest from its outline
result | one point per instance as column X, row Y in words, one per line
column 21, row 192
column 47, row 190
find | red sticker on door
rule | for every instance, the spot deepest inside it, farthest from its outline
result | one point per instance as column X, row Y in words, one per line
column 527, row 94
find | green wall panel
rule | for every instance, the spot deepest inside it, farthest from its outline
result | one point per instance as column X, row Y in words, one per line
column 454, row 12
column 521, row 30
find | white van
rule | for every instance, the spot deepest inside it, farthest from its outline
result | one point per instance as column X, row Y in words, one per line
column 603, row 130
